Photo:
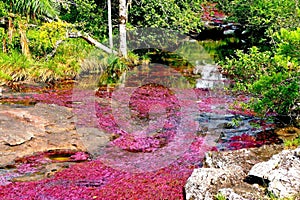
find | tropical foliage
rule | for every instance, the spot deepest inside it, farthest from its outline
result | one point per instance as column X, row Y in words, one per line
column 262, row 17
column 33, row 36
column 272, row 77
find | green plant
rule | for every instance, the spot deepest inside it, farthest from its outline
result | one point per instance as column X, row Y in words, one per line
column 64, row 65
column 114, row 68
column 292, row 143
column 236, row 122
column 44, row 38
column 271, row 77
column 262, row 17
column 133, row 59
column 219, row 196
column 182, row 15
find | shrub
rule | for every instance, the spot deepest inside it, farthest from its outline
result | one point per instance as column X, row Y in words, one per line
column 272, row 77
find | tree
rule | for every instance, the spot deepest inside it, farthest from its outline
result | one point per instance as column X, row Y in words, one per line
column 183, row 16
column 110, row 33
column 122, row 27
column 31, row 10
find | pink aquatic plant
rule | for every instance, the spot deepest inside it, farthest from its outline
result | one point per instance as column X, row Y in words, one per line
column 94, row 179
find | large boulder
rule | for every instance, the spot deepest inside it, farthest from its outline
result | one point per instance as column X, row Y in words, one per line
column 281, row 173
column 225, row 173
column 203, row 182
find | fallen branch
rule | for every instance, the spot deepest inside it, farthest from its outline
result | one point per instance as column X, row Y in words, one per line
column 92, row 41
column 84, row 36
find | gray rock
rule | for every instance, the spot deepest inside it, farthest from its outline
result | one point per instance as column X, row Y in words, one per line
column 230, row 194
column 226, row 173
column 281, row 172
column 94, row 139
column 16, row 128
column 200, row 183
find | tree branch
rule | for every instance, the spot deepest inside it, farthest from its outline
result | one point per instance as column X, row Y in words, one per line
column 84, row 36
column 91, row 40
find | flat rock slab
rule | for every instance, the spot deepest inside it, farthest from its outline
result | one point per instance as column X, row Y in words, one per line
column 43, row 127
column 18, row 133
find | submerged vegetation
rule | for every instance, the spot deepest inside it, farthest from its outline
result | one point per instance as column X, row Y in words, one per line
column 41, row 42
column 37, row 43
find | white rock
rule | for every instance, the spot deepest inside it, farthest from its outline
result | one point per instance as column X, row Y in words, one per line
column 282, row 172
column 201, row 180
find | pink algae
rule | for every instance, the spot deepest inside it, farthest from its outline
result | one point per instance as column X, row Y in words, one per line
column 93, row 179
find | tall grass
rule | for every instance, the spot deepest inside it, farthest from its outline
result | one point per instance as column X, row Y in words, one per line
column 64, row 65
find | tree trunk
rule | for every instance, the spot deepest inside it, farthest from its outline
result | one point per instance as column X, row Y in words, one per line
column 10, row 30
column 4, row 49
column 110, row 25
column 92, row 41
column 24, row 42
column 122, row 28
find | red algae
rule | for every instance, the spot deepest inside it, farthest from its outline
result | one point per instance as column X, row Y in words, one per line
column 97, row 179
column 94, row 180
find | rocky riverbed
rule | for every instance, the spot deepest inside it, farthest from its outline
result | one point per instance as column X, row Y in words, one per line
column 50, row 148
column 254, row 173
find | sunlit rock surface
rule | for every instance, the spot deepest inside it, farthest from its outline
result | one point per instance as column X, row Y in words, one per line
column 281, row 173
column 43, row 127
column 203, row 181
column 226, row 172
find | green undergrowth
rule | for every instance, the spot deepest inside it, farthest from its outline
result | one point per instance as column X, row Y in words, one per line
column 219, row 196
column 65, row 64
column 293, row 143
column 270, row 77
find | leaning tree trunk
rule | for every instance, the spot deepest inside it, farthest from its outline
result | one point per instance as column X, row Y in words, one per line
column 122, row 28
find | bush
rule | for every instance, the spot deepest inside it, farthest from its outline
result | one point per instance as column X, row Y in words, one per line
column 272, row 77
column 262, row 17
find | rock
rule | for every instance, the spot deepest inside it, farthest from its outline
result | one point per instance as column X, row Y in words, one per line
column 225, row 172
column 288, row 133
column 200, row 183
column 245, row 158
column 18, row 133
column 94, row 139
column 39, row 128
column 281, row 173
column 230, row 194
column 18, row 126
